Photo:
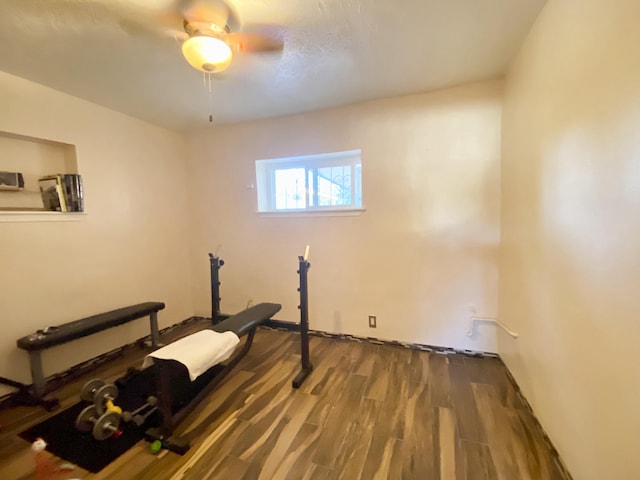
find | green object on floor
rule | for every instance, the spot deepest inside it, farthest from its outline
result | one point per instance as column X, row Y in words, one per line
column 156, row 446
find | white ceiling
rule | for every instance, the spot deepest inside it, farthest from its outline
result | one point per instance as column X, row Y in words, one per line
column 336, row 52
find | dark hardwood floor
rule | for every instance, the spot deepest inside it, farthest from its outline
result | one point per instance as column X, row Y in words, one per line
column 367, row 411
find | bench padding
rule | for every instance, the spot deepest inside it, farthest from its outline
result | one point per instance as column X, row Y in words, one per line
column 86, row 326
column 243, row 322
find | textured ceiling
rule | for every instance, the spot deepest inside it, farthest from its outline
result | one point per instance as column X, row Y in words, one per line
column 336, row 52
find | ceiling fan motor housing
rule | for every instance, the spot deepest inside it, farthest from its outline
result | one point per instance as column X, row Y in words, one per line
column 205, row 49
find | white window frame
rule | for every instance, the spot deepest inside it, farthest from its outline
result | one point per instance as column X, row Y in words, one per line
column 265, row 180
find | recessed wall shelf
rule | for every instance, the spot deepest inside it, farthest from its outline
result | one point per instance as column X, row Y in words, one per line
column 33, row 158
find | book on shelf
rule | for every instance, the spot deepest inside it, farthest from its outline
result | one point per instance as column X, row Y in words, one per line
column 50, row 192
column 62, row 192
column 73, row 192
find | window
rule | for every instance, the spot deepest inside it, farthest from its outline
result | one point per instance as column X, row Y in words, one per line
column 331, row 181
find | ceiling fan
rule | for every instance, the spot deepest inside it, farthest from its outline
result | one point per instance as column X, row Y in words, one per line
column 211, row 34
column 210, row 30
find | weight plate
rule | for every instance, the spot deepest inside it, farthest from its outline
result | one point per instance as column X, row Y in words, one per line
column 90, row 388
column 102, row 395
column 106, row 425
column 86, row 418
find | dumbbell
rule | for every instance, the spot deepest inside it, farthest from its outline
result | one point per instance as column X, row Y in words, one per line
column 90, row 388
column 102, row 395
column 136, row 416
column 101, row 426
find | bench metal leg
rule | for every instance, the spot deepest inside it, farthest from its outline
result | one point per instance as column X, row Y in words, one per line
column 26, row 395
column 37, row 375
column 155, row 335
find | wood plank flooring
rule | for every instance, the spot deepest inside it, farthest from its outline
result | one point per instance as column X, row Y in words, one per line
column 367, row 411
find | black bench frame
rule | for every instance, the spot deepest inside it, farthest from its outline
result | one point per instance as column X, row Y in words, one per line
column 243, row 323
column 60, row 334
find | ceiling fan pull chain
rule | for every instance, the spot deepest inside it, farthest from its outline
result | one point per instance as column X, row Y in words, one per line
column 209, row 80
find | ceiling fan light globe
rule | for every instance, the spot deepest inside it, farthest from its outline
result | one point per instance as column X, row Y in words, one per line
column 207, row 53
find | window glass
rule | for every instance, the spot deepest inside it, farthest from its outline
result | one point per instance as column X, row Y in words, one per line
column 315, row 182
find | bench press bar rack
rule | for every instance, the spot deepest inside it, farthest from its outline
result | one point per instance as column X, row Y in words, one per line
column 307, row 367
column 171, row 420
column 303, row 268
column 216, row 264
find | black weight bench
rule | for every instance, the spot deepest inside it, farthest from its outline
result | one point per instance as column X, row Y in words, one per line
column 60, row 334
column 178, row 396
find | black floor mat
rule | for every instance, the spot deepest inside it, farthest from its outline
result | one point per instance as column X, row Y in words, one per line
column 81, row 449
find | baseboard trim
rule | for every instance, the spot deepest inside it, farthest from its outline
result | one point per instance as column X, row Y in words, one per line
column 291, row 326
column 556, row 455
column 282, row 325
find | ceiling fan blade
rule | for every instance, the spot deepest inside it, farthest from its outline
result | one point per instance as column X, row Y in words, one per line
column 152, row 31
column 253, row 43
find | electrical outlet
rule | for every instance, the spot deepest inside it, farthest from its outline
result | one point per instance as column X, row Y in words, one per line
column 372, row 321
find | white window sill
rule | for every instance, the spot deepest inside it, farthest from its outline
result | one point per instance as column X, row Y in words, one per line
column 342, row 212
column 27, row 216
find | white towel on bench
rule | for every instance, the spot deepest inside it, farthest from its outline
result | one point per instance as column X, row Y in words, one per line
column 198, row 352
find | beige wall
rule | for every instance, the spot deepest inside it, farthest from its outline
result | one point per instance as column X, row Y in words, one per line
column 130, row 246
column 570, row 266
column 424, row 249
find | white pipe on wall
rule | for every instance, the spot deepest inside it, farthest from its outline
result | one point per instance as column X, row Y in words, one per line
column 475, row 319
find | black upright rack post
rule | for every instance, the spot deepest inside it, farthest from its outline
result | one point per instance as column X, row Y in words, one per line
column 307, row 367
column 216, row 264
